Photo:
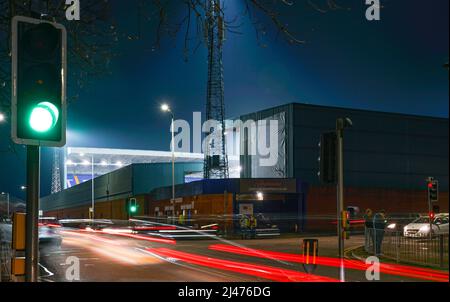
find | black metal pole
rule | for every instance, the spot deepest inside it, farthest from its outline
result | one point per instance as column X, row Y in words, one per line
column 32, row 233
column 340, row 194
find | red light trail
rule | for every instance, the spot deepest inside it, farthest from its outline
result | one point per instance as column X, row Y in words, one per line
column 262, row 271
column 392, row 269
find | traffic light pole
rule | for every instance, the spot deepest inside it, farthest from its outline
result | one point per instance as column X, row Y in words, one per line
column 430, row 207
column 340, row 194
column 32, row 210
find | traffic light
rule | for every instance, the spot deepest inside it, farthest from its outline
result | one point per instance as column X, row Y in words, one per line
column 39, row 82
column 327, row 159
column 431, row 215
column 132, row 206
column 433, row 190
column 345, row 223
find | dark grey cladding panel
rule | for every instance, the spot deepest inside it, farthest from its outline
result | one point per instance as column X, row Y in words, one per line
column 325, row 117
column 381, row 150
column 116, row 183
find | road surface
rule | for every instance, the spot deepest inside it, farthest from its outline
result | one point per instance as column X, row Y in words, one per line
column 119, row 257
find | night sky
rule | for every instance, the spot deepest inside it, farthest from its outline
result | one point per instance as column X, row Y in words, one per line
column 393, row 65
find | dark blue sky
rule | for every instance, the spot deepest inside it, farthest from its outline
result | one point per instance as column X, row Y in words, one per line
column 391, row 65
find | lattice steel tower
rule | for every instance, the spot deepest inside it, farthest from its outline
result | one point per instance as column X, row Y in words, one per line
column 56, row 174
column 216, row 161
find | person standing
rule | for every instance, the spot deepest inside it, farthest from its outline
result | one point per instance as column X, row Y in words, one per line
column 379, row 223
column 244, row 222
column 368, row 230
column 253, row 225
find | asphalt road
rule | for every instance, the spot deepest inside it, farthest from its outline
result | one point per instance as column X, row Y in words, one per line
column 112, row 257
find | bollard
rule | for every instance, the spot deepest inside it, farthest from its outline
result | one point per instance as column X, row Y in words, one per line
column 310, row 253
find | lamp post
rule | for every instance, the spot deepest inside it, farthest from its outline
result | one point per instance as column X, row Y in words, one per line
column 92, row 187
column 92, row 209
column 166, row 108
column 341, row 124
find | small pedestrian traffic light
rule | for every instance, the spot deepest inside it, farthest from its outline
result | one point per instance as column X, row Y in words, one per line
column 39, row 82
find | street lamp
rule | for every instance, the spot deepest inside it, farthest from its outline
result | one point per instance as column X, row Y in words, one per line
column 260, row 195
column 166, row 108
column 2, row 117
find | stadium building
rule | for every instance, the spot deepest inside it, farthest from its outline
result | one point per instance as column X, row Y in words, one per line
column 387, row 158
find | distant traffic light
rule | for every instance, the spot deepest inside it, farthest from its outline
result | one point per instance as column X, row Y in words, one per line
column 39, row 75
column 433, row 190
column 132, row 206
column 327, row 159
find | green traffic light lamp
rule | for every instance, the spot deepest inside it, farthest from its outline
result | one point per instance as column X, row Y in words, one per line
column 133, row 209
column 44, row 117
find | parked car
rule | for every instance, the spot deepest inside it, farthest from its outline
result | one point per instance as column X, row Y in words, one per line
column 397, row 221
column 420, row 228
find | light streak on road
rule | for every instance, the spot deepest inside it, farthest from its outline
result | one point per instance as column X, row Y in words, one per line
column 148, row 238
column 130, row 235
column 392, row 269
column 93, row 237
column 262, row 271
column 120, row 252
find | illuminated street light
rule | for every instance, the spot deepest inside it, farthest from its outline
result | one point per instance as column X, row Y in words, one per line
column 119, row 164
column 165, row 108
column 260, row 195
column 103, row 163
column 2, row 117
column 23, row 188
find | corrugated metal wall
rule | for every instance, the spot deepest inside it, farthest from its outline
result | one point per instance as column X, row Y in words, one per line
column 382, row 150
column 129, row 181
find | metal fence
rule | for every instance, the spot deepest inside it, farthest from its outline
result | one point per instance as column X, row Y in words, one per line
column 5, row 259
column 423, row 251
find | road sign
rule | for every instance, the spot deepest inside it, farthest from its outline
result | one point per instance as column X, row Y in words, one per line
column 39, row 82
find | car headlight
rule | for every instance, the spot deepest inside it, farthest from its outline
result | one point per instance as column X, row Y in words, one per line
column 425, row 228
column 391, row 226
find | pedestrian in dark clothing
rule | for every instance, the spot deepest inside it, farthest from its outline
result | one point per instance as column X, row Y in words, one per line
column 379, row 223
column 368, row 231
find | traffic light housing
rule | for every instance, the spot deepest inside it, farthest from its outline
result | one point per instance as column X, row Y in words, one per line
column 38, row 82
column 328, row 157
column 433, row 190
column 345, row 223
column 132, row 206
